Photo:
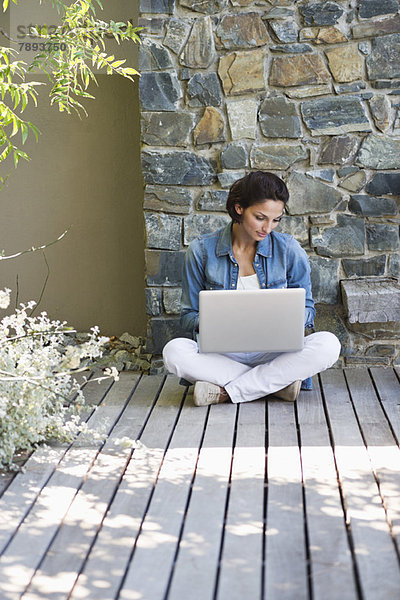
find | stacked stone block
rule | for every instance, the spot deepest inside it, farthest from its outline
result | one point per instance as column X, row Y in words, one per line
column 309, row 90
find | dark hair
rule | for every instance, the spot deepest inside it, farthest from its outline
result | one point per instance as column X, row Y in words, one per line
column 254, row 188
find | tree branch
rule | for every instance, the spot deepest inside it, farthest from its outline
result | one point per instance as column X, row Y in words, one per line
column 35, row 248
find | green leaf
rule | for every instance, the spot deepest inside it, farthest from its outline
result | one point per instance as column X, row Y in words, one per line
column 19, row 154
column 5, row 153
column 130, row 71
column 16, row 123
column 24, row 132
column 33, row 128
column 17, row 98
column 6, row 3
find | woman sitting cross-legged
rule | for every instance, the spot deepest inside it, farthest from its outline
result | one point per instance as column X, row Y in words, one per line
column 248, row 254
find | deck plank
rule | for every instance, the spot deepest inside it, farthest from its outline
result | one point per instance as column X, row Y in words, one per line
column 198, row 556
column 160, row 531
column 242, row 557
column 331, row 561
column 388, row 387
column 373, row 546
column 381, row 445
column 286, row 565
column 30, row 544
column 109, row 558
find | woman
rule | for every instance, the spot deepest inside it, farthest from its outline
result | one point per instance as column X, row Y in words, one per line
column 248, row 254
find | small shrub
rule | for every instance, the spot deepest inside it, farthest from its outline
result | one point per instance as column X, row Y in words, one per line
column 38, row 360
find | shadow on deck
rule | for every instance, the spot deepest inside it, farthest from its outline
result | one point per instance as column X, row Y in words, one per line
column 263, row 500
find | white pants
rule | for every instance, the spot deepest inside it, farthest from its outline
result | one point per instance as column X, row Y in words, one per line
column 248, row 376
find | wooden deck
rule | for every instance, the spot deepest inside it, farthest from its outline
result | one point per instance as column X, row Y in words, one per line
column 264, row 500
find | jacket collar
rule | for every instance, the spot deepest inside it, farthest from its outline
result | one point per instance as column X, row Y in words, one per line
column 224, row 243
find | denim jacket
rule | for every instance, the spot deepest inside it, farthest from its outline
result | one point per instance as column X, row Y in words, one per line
column 279, row 262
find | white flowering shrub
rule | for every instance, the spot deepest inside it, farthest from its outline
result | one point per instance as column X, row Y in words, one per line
column 39, row 398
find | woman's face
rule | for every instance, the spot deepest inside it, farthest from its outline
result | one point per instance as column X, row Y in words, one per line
column 260, row 219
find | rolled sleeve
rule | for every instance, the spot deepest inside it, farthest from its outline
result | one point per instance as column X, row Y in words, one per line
column 192, row 284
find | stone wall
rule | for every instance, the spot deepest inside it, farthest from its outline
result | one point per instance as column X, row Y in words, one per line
column 308, row 90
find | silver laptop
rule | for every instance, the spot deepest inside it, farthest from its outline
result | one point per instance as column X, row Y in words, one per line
column 251, row 320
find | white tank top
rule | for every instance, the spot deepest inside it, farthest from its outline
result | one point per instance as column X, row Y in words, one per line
column 250, row 282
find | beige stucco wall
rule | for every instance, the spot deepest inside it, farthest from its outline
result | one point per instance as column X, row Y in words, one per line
column 85, row 175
